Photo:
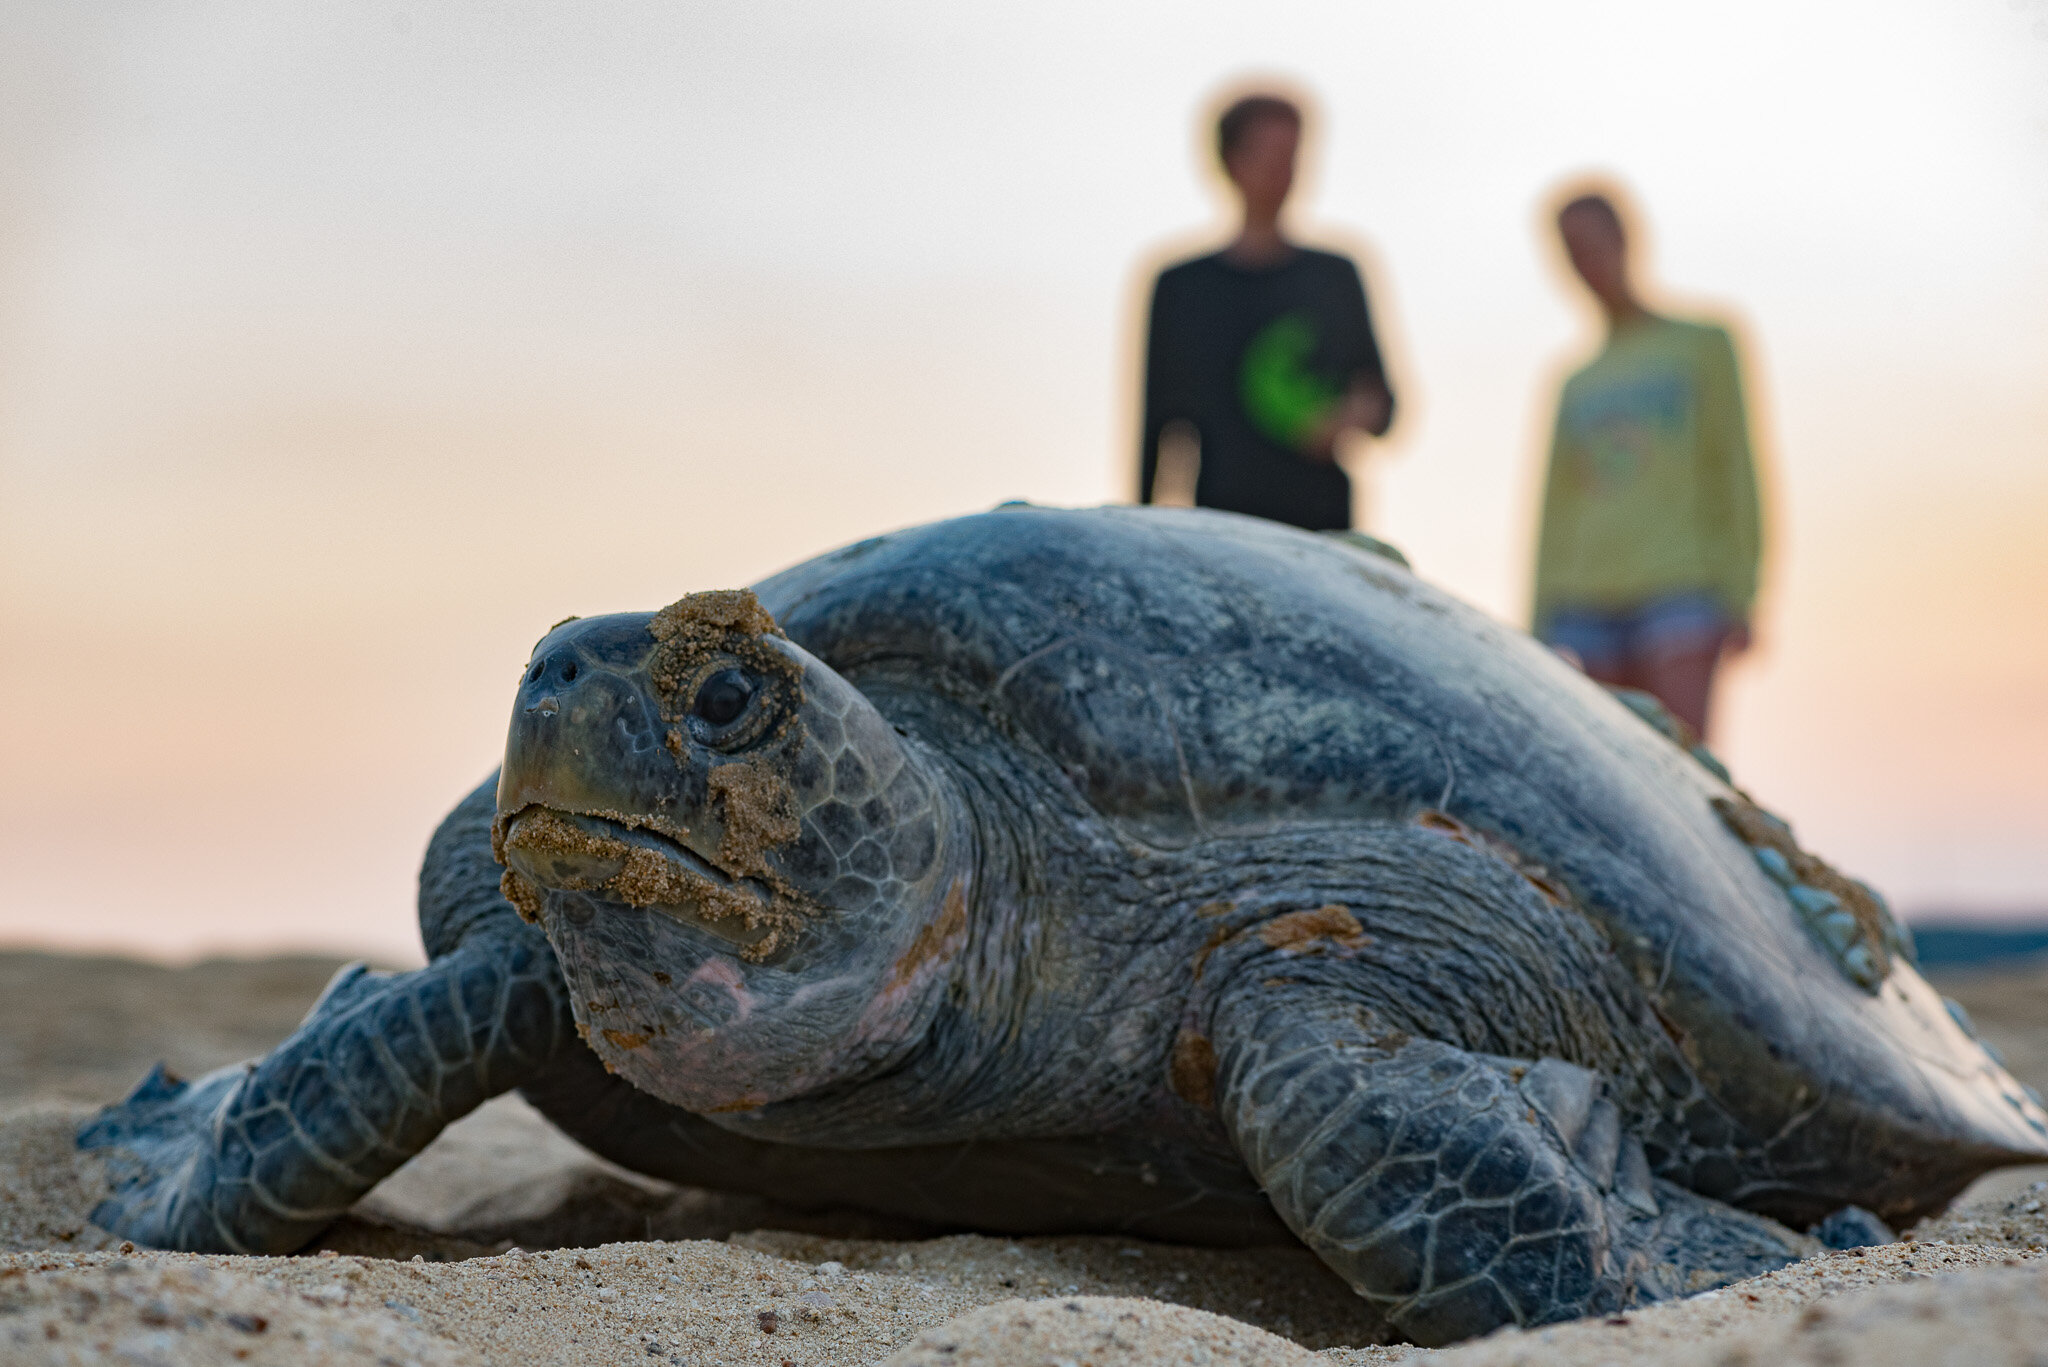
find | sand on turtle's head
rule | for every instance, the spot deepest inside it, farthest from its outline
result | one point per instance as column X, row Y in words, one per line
column 757, row 922
column 728, row 621
column 755, row 804
column 711, row 614
column 759, row 812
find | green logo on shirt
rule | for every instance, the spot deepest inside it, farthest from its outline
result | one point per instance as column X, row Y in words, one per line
column 1284, row 398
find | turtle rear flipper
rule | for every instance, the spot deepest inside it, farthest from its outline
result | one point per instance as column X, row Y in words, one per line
column 1460, row 1191
column 260, row 1157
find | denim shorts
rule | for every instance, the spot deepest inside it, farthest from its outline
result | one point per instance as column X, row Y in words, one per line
column 1607, row 639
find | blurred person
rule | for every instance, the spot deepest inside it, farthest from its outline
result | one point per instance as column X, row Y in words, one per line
column 1264, row 351
column 1647, row 558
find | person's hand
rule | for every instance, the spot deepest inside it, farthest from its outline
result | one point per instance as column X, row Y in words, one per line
column 1321, row 442
column 1359, row 410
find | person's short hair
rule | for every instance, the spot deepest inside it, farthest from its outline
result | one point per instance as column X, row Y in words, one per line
column 1599, row 206
column 1237, row 120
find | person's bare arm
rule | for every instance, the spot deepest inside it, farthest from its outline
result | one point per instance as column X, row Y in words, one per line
column 1731, row 504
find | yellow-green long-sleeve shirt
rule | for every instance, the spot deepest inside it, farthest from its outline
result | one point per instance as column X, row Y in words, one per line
column 1651, row 488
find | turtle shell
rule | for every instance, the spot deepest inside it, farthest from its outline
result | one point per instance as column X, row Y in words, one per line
column 1198, row 675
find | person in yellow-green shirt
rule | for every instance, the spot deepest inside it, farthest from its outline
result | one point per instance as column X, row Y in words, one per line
column 1646, row 564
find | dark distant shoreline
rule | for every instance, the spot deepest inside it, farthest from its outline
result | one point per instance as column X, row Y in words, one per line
column 1979, row 942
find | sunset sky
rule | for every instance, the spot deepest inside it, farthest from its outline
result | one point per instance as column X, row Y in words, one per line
column 344, row 348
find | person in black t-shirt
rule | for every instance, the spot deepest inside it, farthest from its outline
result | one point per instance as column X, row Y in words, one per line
column 1265, row 348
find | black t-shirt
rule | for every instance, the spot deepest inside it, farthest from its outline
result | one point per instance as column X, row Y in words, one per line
column 1253, row 356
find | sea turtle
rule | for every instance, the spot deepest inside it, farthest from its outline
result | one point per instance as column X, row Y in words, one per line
column 1164, row 872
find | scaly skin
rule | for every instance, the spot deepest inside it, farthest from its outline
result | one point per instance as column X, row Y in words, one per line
column 1100, row 870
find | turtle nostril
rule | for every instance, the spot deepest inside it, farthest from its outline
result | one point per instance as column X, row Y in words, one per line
column 533, row 675
column 569, row 672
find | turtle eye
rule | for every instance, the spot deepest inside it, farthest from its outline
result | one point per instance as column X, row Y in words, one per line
column 723, row 698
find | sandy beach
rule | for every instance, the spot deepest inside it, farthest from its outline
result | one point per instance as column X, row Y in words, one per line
column 505, row 1243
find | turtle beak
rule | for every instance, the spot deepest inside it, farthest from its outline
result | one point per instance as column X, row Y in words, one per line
column 586, row 734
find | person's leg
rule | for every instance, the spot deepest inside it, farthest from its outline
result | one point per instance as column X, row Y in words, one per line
column 1678, row 644
column 1684, row 682
column 1618, row 671
column 1595, row 642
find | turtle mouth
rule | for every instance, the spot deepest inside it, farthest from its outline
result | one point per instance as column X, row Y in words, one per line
column 619, row 861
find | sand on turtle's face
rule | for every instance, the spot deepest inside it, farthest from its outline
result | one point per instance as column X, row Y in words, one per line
column 421, row 1274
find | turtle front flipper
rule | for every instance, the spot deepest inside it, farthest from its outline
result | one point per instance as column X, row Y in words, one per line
column 261, row 1156
column 1460, row 1191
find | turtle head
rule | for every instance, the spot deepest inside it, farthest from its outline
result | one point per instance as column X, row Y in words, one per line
column 748, row 874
